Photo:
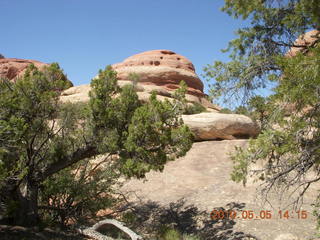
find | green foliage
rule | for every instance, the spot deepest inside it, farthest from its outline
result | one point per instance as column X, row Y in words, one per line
column 169, row 233
column 76, row 194
column 287, row 145
column 26, row 106
column 145, row 136
column 194, row 108
column 134, row 77
column 274, row 25
column 28, row 109
column 287, row 148
column 45, row 145
column 257, row 109
column 226, row 110
column 181, row 101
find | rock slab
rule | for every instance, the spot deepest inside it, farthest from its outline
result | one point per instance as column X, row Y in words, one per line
column 213, row 126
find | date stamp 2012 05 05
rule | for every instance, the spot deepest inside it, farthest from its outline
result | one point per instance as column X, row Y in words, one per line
column 217, row 214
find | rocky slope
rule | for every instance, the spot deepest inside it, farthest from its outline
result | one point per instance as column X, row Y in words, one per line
column 191, row 187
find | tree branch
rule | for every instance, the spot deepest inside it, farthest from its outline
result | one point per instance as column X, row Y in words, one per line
column 79, row 154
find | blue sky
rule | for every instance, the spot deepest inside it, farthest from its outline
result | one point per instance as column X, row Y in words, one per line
column 84, row 36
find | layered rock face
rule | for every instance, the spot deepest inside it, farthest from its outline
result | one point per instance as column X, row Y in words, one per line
column 13, row 68
column 309, row 39
column 158, row 70
column 162, row 68
column 162, row 71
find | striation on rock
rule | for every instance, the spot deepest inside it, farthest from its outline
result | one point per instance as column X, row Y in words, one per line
column 158, row 70
column 12, row 68
column 164, row 69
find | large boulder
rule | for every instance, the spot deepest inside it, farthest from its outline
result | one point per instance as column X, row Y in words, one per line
column 213, row 126
column 12, row 68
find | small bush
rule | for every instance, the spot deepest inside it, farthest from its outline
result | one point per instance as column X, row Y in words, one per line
column 194, row 109
column 171, row 234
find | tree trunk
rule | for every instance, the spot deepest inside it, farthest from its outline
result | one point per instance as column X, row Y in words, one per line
column 26, row 213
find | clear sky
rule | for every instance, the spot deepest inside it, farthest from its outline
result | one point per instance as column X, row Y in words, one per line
column 84, row 36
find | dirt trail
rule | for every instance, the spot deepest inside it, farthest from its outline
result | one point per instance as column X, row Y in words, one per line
column 200, row 182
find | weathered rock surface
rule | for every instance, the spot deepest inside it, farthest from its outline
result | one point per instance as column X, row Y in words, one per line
column 164, row 69
column 286, row 236
column 211, row 126
column 160, row 71
column 12, row 68
column 189, row 188
column 80, row 94
column 309, row 39
column 161, row 67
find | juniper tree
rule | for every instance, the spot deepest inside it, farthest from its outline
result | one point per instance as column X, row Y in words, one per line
column 41, row 136
column 289, row 143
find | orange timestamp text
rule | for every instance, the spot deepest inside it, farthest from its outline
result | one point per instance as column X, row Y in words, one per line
column 217, row 214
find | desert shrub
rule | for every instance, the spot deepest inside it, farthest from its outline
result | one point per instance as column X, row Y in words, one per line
column 194, row 109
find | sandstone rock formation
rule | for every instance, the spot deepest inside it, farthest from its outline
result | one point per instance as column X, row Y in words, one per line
column 12, row 68
column 212, row 126
column 309, row 39
column 158, row 70
column 162, row 71
column 162, row 68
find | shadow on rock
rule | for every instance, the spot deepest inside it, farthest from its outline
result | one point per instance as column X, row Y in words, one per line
column 187, row 219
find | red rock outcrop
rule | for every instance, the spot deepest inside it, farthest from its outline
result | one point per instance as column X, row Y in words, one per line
column 162, row 68
column 304, row 41
column 159, row 71
column 12, row 68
